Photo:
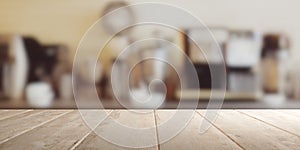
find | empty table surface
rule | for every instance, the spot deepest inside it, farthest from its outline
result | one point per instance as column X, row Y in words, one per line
column 233, row 129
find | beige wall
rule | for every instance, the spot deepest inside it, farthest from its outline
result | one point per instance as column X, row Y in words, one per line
column 65, row 21
column 51, row 21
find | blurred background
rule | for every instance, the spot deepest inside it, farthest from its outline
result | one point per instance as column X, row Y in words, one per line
column 260, row 42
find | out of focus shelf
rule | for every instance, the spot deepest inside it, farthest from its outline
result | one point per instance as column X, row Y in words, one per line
column 196, row 94
column 263, row 103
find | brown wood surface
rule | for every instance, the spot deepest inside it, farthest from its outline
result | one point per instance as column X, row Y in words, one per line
column 233, row 129
column 9, row 113
column 144, row 119
column 191, row 138
column 280, row 120
column 251, row 133
column 20, row 124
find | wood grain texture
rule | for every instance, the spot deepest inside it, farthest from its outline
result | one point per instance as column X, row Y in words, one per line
column 253, row 134
column 61, row 133
column 19, row 124
column 6, row 113
column 110, row 128
column 276, row 118
column 191, row 138
column 65, row 129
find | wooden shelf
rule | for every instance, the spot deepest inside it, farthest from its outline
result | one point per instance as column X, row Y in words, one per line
column 204, row 94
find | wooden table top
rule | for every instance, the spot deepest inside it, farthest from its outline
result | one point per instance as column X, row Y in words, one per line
column 233, row 129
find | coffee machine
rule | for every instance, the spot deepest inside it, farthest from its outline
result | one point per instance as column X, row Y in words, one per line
column 242, row 58
column 241, row 54
column 24, row 60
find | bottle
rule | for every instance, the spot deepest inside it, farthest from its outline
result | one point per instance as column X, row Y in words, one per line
column 274, row 63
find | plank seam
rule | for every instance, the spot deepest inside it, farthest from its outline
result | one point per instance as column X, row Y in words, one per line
column 156, row 129
column 81, row 140
column 240, row 146
column 249, row 115
column 34, row 127
column 7, row 117
column 85, row 136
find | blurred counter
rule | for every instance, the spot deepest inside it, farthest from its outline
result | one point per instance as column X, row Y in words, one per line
column 267, row 103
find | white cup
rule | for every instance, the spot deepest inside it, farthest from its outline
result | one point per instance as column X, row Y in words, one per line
column 39, row 94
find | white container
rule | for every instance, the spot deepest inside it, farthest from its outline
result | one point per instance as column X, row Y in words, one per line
column 39, row 94
column 140, row 98
column 143, row 98
column 15, row 72
column 243, row 51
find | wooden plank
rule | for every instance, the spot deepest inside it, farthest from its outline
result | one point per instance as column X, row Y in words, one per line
column 190, row 137
column 14, row 126
column 251, row 133
column 110, row 128
column 61, row 133
column 7, row 113
column 276, row 118
column 293, row 112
